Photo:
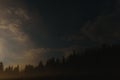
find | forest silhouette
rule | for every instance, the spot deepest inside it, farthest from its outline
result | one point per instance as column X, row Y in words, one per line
column 97, row 61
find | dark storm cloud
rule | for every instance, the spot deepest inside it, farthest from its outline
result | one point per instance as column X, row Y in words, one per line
column 105, row 29
column 63, row 18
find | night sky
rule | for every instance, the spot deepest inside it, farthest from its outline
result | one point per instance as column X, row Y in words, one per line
column 34, row 30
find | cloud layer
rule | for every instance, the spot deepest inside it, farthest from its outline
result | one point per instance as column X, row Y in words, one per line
column 32, row 32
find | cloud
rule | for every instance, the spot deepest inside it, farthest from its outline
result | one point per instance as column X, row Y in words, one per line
column 13, row 40
column 104, row 29
column 34, row 55
column 21, row 13
column 14, row 25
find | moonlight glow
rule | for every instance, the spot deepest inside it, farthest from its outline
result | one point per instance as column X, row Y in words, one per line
column 14, row 43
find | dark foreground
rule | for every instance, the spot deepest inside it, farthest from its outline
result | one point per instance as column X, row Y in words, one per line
column 83, row 77
column 66, row 78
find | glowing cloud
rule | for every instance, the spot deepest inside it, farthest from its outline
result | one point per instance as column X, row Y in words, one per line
column 13, row 40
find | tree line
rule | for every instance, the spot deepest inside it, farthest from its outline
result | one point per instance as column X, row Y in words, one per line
column 92, row 61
